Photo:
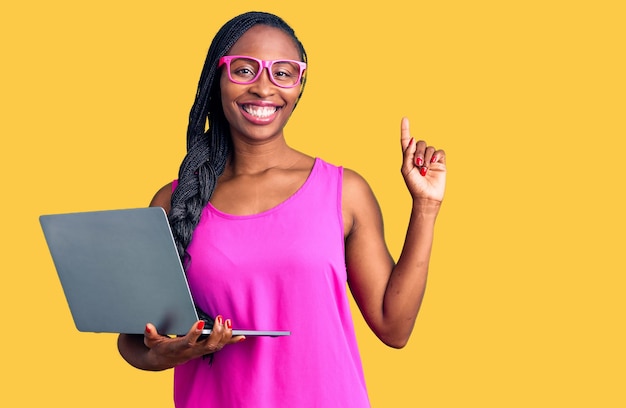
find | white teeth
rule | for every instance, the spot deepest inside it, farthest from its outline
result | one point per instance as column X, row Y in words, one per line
column 260, row 111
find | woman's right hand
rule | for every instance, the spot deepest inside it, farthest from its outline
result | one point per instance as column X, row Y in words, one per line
column 167, row 352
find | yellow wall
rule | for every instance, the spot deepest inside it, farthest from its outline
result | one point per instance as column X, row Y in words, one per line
column 525, row 305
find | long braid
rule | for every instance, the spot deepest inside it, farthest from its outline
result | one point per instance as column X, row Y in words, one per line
column 209, row 150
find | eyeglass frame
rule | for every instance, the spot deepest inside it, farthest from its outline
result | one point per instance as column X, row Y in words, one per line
column 226, row 59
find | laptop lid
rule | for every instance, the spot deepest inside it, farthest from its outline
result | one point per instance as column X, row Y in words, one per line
column 119, row 270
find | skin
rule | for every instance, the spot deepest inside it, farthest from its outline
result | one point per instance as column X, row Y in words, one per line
column 264, row 171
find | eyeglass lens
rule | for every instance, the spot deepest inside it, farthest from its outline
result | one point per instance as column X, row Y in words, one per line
column 283, row 73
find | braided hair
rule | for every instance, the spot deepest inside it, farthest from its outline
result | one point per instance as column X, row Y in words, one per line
column 208, row 150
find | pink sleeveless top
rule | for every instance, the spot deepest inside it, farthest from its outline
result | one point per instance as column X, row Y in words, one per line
column 282, row 269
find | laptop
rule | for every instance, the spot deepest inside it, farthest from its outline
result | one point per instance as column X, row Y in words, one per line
column 119, row 270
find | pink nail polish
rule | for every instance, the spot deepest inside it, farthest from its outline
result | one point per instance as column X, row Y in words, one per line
column 423, row 171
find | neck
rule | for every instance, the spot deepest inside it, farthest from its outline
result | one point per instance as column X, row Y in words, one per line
column 248, row 158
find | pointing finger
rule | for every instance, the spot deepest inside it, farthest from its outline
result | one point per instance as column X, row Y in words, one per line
column 405, row 134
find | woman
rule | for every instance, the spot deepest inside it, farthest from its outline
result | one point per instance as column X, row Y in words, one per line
column 269, row 236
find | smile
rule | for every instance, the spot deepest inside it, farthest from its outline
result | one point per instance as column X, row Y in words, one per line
column 260, row 112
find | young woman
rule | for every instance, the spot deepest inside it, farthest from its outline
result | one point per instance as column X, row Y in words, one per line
column 270, row 236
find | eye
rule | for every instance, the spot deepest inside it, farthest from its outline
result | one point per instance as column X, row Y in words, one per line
column 284, row 74
column 243, row 68
column 243, row 72
column 285, row 71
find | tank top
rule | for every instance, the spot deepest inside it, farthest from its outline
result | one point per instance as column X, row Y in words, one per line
column 281, row 269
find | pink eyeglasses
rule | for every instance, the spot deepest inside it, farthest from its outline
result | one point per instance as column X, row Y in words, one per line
column 245, row 70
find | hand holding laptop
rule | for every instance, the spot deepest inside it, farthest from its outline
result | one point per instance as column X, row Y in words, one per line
column 172, row 351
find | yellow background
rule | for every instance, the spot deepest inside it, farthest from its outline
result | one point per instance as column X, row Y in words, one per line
column 525, row 304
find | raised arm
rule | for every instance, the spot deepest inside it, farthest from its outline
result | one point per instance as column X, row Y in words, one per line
column 390, row 294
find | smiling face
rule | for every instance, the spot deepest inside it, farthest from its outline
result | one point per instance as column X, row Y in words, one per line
column 260, row 110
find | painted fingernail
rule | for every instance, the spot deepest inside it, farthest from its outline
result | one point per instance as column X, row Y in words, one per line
column 433, row 159
column 419, row 161
column 423, row 171
column 148, row 329
column 200, row 325
column 220, row 320
column 229, row 324
column 411, row 141
column 241, row 339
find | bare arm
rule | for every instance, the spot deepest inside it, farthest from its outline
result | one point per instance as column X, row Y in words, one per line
column 389, row 295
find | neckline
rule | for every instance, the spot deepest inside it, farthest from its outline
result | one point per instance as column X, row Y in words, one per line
column 273, row 209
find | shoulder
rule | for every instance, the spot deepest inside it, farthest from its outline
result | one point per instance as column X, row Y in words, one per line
column 354, row 183
column 359, row 205
column 163, row 198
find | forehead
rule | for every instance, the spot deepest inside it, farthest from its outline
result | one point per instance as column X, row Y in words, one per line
column 265, row 42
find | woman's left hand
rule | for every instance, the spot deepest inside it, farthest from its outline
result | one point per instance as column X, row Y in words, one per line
column 423, row 167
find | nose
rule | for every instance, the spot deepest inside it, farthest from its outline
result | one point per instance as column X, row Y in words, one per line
column 263, row 86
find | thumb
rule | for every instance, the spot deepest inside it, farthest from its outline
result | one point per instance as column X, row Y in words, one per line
column 150, row 335
column 150, row 330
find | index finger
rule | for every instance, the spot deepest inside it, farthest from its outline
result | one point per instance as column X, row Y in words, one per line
column 405, row 134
